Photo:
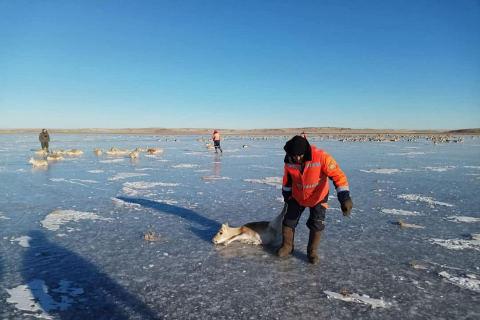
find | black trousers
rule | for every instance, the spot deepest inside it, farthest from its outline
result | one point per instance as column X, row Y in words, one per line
column 316, row 220
column 44, row 145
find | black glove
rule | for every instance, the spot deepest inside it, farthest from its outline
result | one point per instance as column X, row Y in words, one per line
column 286, row 195
column 346, row 202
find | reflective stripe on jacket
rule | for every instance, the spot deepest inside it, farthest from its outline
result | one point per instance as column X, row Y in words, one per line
column 311, row 186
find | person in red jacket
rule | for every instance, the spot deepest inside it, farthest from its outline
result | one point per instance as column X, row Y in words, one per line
column 305, row 184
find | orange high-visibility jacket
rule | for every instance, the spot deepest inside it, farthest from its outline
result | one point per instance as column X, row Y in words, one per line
column 216, row 136
column 311, row 186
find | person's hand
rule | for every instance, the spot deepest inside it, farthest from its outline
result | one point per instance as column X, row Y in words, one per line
column 346, row 207
column 345, row 202
column 287, row 195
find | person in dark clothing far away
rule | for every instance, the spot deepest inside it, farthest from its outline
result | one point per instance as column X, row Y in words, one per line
column 216, row 141
column 305, row 184
column 44, row 138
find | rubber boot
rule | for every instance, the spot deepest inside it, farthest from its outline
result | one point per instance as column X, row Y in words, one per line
column 287, row 246
column 312, row 248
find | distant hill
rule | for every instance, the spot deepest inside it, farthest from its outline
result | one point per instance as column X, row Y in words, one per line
column 271, row 131
column 466, row 131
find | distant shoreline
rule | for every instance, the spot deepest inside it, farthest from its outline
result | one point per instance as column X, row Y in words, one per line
column 283, row 131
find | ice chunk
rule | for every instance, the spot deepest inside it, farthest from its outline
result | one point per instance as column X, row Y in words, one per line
column 362, row 299
column 401, row 212
column 457, row 244
column 462, row 282
column 462, row 219
column 414, row 197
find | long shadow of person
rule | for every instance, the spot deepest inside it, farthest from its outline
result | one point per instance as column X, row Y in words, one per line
column 66, row 286
column 208, row 226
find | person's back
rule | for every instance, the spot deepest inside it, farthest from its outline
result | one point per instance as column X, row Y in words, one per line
column 216, row 141
column 44, row 139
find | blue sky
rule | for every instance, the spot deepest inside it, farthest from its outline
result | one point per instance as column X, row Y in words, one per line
column 240, row 64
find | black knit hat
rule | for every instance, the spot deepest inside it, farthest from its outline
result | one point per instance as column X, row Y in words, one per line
column 296, row 146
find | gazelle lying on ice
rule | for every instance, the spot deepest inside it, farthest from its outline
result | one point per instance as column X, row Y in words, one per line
column 259, row 232
column 38, row 163
column 54, row 157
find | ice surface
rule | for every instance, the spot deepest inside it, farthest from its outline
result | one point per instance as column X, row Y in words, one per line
column 89, row 261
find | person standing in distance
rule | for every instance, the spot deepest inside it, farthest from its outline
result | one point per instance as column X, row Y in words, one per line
column 305, row 184
column 44, row 138
column 216, row 141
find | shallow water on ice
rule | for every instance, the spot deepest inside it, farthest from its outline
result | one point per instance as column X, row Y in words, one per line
column 72, row 245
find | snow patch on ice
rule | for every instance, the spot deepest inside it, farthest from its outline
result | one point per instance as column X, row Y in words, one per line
column 167, row 201
column 263, row 167
column 144, row 169
column 148, row 185
column 86, row 181
column 130, row 192
column 54, row 220
column 3, row 217
column 440, row 169
column 381, row 171
column 127, row 175
column 23, row 241
column 203, row 170
column 415, row 197
column 270, row 181
column 34, row 298
column 462, row 219
column 247, row 156
column 121, row 203
column 401, row 212
column 411, row 153
column 197, row 153
column 362, row 299
column 457, row 244
column 469, row 283
column 472, row 167
column 185, row 166
column 95, row 171
column 215, row 178
column 112, row 161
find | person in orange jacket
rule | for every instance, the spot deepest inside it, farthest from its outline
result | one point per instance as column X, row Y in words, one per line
column 305, row 184
column 216, row 141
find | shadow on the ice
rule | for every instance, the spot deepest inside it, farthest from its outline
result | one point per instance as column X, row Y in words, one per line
column 77, row 289
column 209, row 226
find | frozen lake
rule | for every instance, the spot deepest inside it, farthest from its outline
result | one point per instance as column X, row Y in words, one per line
column 72, row 248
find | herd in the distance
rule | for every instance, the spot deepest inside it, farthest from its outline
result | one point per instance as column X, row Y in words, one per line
column 57, row 155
